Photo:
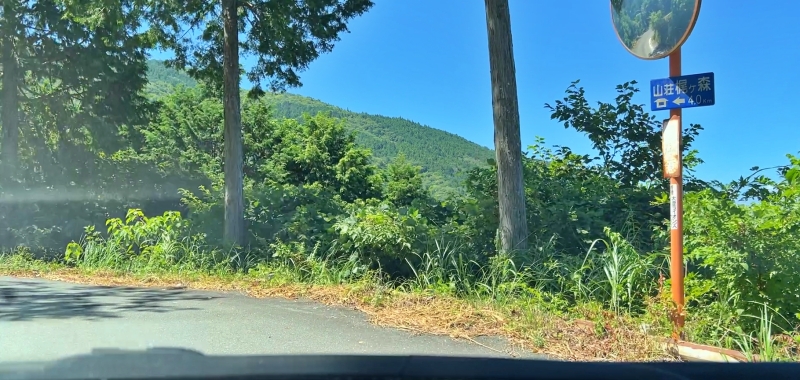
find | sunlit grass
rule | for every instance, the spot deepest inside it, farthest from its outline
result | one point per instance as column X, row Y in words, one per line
column 442, row 298
column 447, row 294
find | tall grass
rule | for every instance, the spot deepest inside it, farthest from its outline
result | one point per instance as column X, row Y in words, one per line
column 611, row 275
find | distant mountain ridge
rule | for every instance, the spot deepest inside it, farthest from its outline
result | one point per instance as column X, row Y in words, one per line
column 443, row 156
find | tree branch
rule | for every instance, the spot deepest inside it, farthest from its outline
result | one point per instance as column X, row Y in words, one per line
column 255, row 12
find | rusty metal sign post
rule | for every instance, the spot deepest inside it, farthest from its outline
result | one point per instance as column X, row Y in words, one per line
column 654, row 33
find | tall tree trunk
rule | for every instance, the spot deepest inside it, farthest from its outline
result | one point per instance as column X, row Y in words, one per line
column 507, row 145
column 234, row 197
column 10, row 118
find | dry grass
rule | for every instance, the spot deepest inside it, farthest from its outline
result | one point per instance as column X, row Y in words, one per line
column 528, row 327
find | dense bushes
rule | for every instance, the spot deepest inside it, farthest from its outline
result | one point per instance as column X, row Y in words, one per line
column 152, row 200
column 743, row 256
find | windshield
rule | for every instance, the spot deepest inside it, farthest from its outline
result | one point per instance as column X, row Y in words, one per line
column 400, row 178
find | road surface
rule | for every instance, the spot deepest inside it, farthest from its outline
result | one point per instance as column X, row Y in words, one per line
column 47, row 320
column 644, row 46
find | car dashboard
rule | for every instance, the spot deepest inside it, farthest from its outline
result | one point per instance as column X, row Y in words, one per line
column 186, row 364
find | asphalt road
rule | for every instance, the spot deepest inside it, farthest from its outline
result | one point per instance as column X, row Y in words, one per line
column 644, row 45
column 47, row 320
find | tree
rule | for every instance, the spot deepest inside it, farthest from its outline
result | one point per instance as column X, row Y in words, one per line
column 404, row 182
column 232, row 135
column 72, row 58
column 285, row 36
column 507, row 144
column 319, row 150
column 10, row 99
column 627, row 138
column 72, row 75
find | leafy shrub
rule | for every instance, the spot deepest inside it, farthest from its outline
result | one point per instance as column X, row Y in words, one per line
column 141, row 242
column 383, row 235
column 745, row 256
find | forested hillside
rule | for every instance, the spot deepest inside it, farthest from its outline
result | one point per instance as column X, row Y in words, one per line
column 163, row 80
column 444, row 157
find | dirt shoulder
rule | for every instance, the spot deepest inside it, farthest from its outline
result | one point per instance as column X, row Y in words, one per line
column 525, row 326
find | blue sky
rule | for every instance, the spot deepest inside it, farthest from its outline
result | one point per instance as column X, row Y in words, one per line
column 427, row 60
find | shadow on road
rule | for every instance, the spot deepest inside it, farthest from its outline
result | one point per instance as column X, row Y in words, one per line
column 30, row 300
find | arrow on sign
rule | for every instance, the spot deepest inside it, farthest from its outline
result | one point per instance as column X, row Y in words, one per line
column 679, row 101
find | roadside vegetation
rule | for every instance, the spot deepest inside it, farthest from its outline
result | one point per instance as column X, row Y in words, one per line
column 144, row 205
column 108, row 175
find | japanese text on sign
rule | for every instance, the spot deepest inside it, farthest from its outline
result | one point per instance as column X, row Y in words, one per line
column 686, row 91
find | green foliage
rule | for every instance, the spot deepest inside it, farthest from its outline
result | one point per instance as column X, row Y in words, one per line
column 574, row 201
column 334, row 196
column 444, row 158
column 745, row 255
column 320, row 151
column 667, row 19
column 669, row 25
column 618, row 276
column 627, row 138
column 319, row 207
column 70, row 70
column 72, row 81
column 383, row 235
column 160, row 242
column 163, row 80
column 285, row 36
column 404, row 183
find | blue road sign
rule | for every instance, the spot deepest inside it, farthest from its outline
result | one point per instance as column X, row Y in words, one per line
column 687, row 91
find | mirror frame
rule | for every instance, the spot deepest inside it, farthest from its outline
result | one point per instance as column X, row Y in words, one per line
column 680, row 43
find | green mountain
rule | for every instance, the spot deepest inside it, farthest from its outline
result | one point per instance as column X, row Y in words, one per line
column 163, row 80
column 443, row 156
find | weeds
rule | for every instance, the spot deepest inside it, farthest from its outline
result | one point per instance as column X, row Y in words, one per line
column 447, row 293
